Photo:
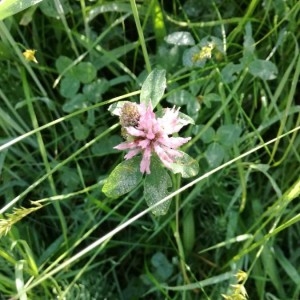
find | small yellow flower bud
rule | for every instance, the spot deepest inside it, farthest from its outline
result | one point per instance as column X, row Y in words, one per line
column 29, row 55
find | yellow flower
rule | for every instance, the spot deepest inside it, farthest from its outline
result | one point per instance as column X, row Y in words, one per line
column 205, row 53
column 241, row 276
column 29, row 55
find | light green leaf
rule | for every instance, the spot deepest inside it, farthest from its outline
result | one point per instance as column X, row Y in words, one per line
column 185, row 165
column 11, row 7
column 124, row 178
column 153, row 88
column 180, row 38
column 186, row 118
column 180, row 98
column 263, row 69
column 156, row 187
column 249, row 45
column 115, row 108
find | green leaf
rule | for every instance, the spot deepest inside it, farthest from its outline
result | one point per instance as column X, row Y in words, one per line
column 69, row 87
column 185, row 165
column 208, row 134
column 214, row 154
column 180, row 38
column 114, row 6
column 249, row 45
column 62, row 63
column 81, row 132
column 124, row 178
column 230, row 71
column 180, row 98
column 156, row 187
column 209, row 98
column 49, row 9
column 263, row 69
column 115, row 108
column 105, row 145
column 153, row 88
column 194, row 84
column 85, row 72
column 189, row 55
column 95, row 90
column 76, row 103
column 227, row 135
column 193, row 108
column 163, row 268
column 186, row 118
column 11, row 7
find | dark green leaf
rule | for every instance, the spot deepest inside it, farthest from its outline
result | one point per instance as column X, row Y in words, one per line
column 69, row 87
column 94, row 90
column 194, row 84
column 153, row 88
column 156, row 187
column 85, row 72
column 230, row 71
column 105, row 145
column 227, row 135
column 163, row 269
column 209, row 98
column 208, row 135
column 77, row 102
column 214, row 154
column 62, row 63
column 81, row 132
column 185, row 165
column 124, row 178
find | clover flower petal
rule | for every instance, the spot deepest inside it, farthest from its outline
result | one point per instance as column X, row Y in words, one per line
column 151, row 135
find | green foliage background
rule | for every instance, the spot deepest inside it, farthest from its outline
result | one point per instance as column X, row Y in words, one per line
column 61, row 237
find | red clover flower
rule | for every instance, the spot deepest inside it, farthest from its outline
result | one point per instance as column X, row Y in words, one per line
column 147, row 134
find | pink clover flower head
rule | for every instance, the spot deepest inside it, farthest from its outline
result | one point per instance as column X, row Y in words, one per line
column 149, row 134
